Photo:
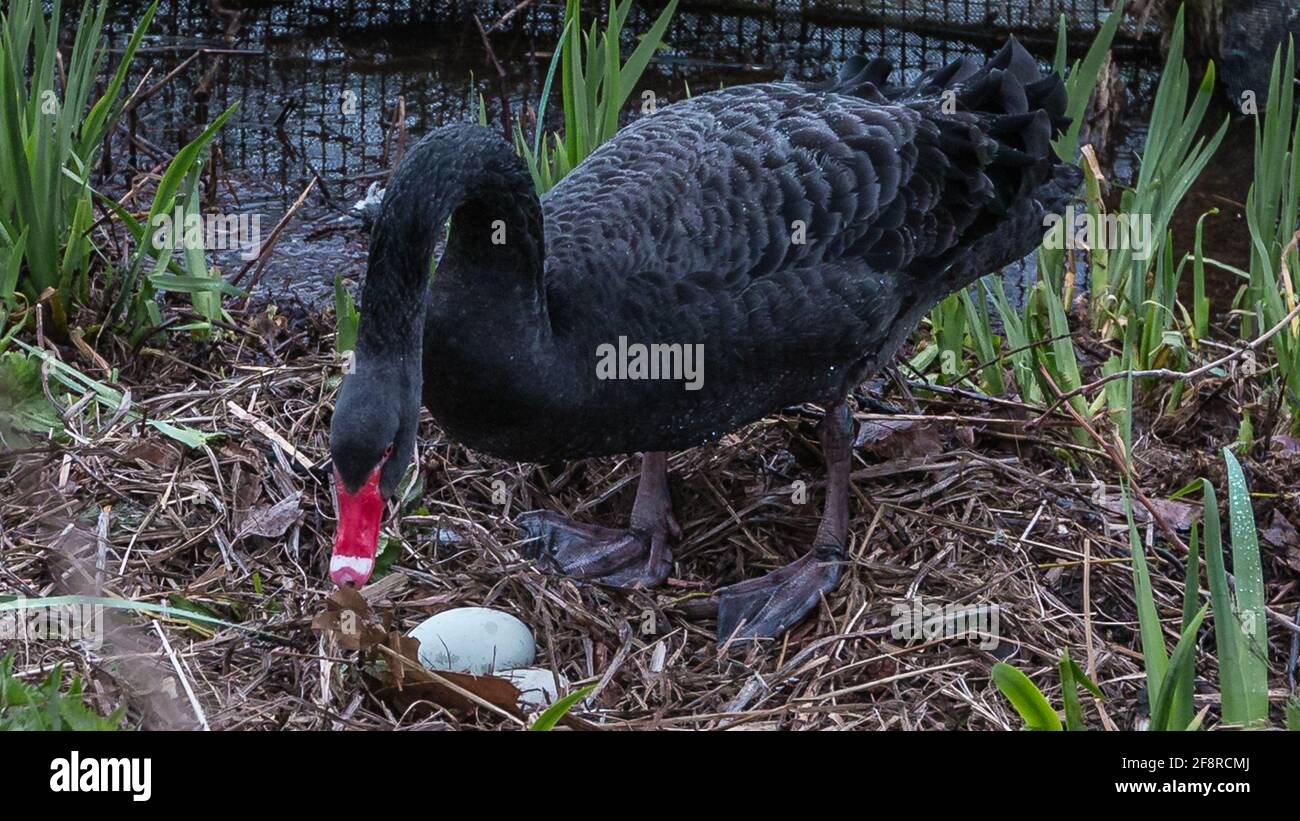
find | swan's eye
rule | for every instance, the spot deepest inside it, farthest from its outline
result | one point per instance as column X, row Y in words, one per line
column 388, row 451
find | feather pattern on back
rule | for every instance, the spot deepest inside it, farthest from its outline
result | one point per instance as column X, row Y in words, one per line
column 797, row 233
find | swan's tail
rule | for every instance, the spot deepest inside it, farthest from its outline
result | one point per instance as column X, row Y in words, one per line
column 1006, row 111
column 994, row 125
column 1009, row 83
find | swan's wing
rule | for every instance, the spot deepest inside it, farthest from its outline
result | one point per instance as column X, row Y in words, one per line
column 740, row 183
column 800, row 233
column 747, row 181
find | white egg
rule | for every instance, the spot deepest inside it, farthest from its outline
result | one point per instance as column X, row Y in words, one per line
column 536, row 687
column 475, row 640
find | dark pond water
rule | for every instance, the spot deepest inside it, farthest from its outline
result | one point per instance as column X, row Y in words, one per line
column 319, row 83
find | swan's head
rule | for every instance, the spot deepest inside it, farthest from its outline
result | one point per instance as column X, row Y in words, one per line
column 372, row 437
column 458, row 168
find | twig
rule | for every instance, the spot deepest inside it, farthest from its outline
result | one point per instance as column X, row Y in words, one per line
column 501, row 78
column 234, row 18
column 1122, row 464
column 264, row 253
column 1166, row 373
column 450, row 685
column 505, row 18
column 138, row 96
column 266, row 430
column 185, row 682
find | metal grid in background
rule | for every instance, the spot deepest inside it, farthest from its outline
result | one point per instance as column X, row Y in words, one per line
column 293, row 15
column 978, row 17
column 305, row 56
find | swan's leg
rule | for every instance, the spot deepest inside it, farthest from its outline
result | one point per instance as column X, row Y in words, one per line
column 640, row 556
column 768, row 606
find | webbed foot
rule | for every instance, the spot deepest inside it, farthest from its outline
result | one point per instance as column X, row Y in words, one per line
column 768, row 606
column 640, row 556
column 622, row 558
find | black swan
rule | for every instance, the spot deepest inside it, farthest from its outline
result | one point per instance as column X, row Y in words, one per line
column 789, row 237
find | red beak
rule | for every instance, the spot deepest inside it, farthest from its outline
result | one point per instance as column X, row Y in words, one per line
column 357, row 537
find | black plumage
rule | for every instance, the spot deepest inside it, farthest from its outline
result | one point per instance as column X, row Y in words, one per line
column 797, row 233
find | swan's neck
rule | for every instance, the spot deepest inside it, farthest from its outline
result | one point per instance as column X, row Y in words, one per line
column 494, row 258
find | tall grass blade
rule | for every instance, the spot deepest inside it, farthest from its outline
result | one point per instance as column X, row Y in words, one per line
column 1154, row 656
column 1227, row 631
column 1249, row 586
column 1181, row 668
column 1082, row 80
column 1182, row 708
column 1070, row 694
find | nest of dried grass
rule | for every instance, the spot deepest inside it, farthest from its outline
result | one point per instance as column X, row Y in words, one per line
column 962, row 504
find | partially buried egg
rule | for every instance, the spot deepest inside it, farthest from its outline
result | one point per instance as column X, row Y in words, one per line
column 537, row 687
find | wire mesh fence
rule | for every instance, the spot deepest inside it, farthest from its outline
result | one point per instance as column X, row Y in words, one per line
column 976, row 17
column 318, row 82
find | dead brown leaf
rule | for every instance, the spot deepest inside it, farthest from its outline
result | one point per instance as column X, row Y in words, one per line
column 1178, row 514
column 402, row 681
column 348, row 618
column 422, row 686
column 898, row 438
column 1282, row 534
column 272, row 521
column 154, row 453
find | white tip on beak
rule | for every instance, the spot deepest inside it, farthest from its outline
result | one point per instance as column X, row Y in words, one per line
column 351, row 569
